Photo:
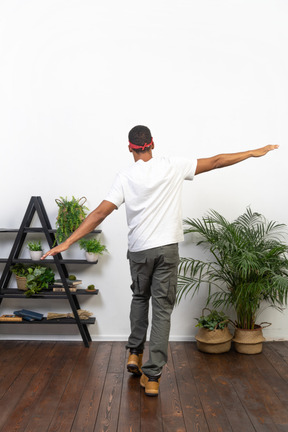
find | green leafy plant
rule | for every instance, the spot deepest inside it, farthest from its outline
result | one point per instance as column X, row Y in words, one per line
column 70, row 215
column 39, row 278
column 92, row 246
column 19, row 270
column 72, row 277
column 34, row 246
column 248, row 266
column 213, row 321
column 91, row 287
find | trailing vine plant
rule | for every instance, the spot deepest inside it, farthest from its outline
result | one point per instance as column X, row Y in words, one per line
column 70, row 215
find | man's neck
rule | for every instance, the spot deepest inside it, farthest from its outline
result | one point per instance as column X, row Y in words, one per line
column 142, row 156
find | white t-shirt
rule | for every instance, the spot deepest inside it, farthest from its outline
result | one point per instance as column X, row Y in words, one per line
column 152, row 192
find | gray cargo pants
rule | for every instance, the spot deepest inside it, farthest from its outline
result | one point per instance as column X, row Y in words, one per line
column 154, row 274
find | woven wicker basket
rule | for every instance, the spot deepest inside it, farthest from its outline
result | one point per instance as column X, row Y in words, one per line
column 214, row 342
column 21, row 283
column 248, row 341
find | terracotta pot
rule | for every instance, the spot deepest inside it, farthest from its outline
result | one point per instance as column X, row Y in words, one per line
column 214, row 341
column 248, row 341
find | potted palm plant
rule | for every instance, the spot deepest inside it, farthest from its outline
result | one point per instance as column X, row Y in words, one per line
column 247, row 271
column 93, row 248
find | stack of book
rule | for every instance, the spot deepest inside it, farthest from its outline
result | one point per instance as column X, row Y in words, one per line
column 29, row 315
column 72, row 284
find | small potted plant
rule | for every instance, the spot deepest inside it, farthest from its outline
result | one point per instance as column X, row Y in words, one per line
column 93, row 248
column 20, row 271
column 35, row 249
column 32, row 279
column 213, row 336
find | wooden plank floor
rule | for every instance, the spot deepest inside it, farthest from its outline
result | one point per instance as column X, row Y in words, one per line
column 63, row 387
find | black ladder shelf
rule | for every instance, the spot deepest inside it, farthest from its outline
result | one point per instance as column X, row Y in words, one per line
column 36, row 206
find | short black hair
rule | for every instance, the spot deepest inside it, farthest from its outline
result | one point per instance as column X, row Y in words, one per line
column 139, row 135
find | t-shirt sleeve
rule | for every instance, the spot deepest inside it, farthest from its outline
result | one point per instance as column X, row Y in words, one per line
column 187, row 167
column 116, row 194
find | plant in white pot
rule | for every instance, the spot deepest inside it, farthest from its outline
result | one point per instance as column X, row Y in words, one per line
column 248, row 270
column 93, row 248
column 35, row 250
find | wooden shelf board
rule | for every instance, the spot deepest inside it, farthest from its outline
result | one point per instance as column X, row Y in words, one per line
column 15, row 293
column 49, row 261
column 37, row 229
column 52, row 321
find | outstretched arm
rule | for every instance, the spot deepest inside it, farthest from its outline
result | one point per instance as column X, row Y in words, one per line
column 224, row 160
column 88, row 225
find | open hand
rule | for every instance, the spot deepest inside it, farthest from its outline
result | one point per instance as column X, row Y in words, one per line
column 58, row 249
column 263, row 150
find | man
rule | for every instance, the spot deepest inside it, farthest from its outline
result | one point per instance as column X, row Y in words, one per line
column 151, row 189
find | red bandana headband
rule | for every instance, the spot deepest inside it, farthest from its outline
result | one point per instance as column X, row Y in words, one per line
column 134, row 146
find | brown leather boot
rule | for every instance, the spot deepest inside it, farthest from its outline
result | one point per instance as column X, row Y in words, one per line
column 150, row 384
column 134, row 364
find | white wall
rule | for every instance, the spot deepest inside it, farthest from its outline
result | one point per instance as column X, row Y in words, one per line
column 207, row 77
